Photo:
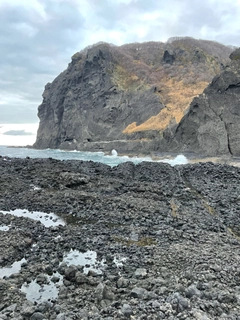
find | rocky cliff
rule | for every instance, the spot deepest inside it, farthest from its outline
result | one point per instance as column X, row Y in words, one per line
column 124, row 96
column 211, row 126
column 86, row 103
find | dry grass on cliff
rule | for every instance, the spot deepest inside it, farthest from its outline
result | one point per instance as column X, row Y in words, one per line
column 141, row 66
column 176, row 97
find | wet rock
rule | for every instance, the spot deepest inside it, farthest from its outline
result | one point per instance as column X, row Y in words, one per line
column 70, row 272
column 55, row 279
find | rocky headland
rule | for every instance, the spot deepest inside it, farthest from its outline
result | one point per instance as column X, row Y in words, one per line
column 136, row 98
column 166, row 240
column 211, row 126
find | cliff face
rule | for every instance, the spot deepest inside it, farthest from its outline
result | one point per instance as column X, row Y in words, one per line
column 211, row 126
column 86, row 104
column 122, row 97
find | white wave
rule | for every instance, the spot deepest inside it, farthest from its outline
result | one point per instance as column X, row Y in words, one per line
column 115, row 159
column 178, row 160
column 114, row 153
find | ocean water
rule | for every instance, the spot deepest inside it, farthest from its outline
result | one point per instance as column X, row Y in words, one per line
column 14, row 136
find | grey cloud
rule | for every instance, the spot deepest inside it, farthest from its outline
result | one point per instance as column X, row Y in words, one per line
column 36, row 47
column 28, row 61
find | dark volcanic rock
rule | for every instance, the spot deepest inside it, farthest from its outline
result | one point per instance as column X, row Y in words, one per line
column 166, row 240
column 211, row 126
column 86, row 106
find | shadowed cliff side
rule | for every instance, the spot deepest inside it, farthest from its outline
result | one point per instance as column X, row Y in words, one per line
column 211, row 126
column 89, row 102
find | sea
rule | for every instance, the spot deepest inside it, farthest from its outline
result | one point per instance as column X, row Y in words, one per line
column 14, row 138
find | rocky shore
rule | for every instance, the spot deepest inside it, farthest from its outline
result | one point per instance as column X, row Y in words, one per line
column 159, row 242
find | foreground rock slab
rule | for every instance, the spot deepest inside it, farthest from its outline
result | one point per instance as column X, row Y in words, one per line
column 167, row 240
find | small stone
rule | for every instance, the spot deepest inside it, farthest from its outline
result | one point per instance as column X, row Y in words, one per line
column 200, row 315
column 139, row 293
column 28, row 311
column 156, row 304
column 61, row 316
column 140, row 273
column 42, row 278
column 37, row 316
column 126, row 310
column 80, row 278
column 192, row 291
column 102, row 292
column 122, row 283
column 93, row 273
column 55, row 279
column 28, row 241
column 216, row 268
column 108, row 294
column 11, row 308
column 225, row 297
column 109, row 258
column 178, row 302
column 70, row 272
column 99, row 292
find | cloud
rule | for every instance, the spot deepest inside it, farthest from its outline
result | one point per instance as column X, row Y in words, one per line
column 38, row 37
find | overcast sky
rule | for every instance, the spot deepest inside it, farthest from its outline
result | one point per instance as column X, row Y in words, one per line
column 38, row 37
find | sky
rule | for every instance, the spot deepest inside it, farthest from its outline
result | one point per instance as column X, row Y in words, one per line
column 38, row 37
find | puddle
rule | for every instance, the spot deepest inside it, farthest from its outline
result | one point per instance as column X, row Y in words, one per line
column 87, row 259
column 48, row 219
column 4, row 228
column 36, row 188
column 119, row 261
column 15, row 268
column 40, row 293
column 49, row 290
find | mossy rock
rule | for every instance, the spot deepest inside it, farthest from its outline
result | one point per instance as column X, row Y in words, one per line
column 235, row 55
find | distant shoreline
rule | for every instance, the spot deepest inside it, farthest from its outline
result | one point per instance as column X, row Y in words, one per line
column 192, row 158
